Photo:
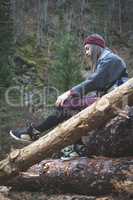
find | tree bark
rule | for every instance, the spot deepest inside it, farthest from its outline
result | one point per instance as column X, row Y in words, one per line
column 42, row 23
column 68, row 132
column 97, row 176
column 113, row 140
column 13, row 195
column 19, row 19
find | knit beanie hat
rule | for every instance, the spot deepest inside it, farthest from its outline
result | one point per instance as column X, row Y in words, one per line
column 95, row 39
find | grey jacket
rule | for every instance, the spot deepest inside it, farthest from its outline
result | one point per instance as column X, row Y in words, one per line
column 110, row 70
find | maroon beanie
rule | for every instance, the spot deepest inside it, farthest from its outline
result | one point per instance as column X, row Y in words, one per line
column 95, row 39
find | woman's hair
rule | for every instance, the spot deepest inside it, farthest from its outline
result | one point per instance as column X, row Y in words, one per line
column 96, row 51
column 96, row 41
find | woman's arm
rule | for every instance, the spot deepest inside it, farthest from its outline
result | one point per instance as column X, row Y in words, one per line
column 107, row 73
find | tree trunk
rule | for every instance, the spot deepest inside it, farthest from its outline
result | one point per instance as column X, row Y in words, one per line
column 17, row 195
column 19, row 19
column 68, row 132
column 113, row 140
column 120, row 16
column 42, row 23
column 79, row 176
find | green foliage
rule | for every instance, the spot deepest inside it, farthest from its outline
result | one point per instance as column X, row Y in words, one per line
column 65, row 71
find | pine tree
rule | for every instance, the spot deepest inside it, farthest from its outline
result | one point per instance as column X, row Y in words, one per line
column 66, row 70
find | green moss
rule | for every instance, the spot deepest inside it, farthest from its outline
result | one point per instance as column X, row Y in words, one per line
column 33, row 56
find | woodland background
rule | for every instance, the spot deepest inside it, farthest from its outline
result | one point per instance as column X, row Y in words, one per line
column 41, row 45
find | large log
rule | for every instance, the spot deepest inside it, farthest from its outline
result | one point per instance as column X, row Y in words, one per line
column 68, row 132
column 113, row 140
column 80, row 176
column 17, row 195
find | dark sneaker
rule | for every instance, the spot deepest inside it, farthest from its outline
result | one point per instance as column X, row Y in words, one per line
column 28, row 134
column 68, row 153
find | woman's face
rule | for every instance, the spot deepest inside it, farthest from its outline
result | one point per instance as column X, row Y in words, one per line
column 88, row 50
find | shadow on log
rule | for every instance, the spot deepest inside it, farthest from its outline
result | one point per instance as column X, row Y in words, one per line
column 80, row 176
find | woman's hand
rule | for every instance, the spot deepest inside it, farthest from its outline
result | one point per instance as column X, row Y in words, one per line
column 62, row 98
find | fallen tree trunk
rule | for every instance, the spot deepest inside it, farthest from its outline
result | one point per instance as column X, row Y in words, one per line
column 68, row 132
column 15, row 195
column 79, row 176
column 113, row 140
